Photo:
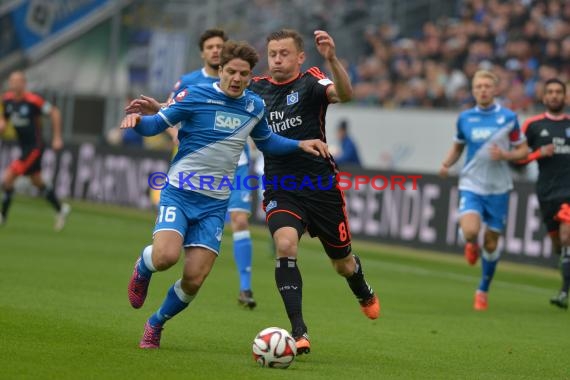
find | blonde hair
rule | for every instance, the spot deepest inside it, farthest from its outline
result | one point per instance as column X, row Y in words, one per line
column 486, row 74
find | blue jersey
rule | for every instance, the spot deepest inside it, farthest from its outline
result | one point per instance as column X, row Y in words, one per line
column 212, row 138
column 194, row 77
column 198, row 77
column 478, row 129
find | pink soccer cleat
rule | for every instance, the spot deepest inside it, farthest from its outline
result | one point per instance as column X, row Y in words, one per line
column 138, row 287
column 151, row 336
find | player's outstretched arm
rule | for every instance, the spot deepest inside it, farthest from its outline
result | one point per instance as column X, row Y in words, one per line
column 144, row 125
column 279, row 145
column 315, row 147
column 450, row 159
column 341, row 90
column 145, row 105
column 57, row 140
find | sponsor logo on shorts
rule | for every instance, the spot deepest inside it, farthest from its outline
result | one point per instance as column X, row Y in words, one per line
column 271, row 205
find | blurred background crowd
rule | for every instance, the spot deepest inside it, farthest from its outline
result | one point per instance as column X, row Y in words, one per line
column 399, row 54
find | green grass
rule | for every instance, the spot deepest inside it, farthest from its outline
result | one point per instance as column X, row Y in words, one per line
column 64, row 312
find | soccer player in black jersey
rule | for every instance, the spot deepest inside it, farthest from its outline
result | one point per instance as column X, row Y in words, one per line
column 548, row 136
column 25, row 110
column 300, row 190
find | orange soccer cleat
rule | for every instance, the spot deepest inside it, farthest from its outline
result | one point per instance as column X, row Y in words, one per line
column 471, row 253
column 371, row 307
column 563, row 215
column 480, row 303
column 303, row 344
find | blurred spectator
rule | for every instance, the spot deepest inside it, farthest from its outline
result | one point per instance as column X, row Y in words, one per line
column 526, row 41
column 348, row 151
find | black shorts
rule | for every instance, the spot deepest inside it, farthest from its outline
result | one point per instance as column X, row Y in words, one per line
column 322, row 213
column 29, row 163
column 549, row 209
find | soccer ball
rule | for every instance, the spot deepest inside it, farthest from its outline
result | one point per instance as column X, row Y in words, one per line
column 274, row 347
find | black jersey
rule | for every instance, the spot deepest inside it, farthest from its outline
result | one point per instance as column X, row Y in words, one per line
column 554, row 172
column 26, row 117
column 297, row 110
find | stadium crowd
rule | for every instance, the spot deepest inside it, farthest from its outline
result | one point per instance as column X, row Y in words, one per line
column 524, row 42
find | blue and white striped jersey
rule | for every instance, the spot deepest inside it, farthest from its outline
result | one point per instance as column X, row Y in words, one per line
column 200, row 77
column 478, row 129
column 212, row 137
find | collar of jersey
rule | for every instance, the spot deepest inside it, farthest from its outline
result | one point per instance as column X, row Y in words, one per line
column 206, row 75
column 287, row 82
column 493, row 108
column 555, row 117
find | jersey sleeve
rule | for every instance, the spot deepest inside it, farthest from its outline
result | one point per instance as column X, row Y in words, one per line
column 46, row 108
column 322, row 83
column 460, row 137
column 516, row 136
column 178, row 109
column 261, row 130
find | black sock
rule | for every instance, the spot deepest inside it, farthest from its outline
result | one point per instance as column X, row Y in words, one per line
column 358, row 284
column 6, row 201
column 49, row 193
column 290, row 286
column 565, row 269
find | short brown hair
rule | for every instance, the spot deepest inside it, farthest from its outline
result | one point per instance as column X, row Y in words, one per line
column 211, row 33
column 557, row 81
column 288, row 33
column 241, row 50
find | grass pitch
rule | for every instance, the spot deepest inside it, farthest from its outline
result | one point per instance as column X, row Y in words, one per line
column 64, row 312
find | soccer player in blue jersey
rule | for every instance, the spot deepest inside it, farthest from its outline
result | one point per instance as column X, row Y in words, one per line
column 239, row 207
column 492, row 136
column 216, row 121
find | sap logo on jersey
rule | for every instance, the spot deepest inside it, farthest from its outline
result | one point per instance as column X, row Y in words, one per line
column 228, row 122
column 481, row 134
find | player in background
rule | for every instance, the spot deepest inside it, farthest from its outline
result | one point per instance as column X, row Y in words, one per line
column 549, row 141
column 492, row 136
column 216, row 121
column 296, row 107
column 239, row 208
column 25, row 111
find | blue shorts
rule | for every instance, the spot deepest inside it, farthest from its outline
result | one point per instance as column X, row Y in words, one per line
column 492, row 208
column 240, row 197
column 199, row 219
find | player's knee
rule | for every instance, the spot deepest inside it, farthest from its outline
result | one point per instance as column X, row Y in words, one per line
column 163, row 257
column 470, row 233
column 345, row 267
column 490, row 246
column 192, row 284
column 286, row 247
column 239, row 221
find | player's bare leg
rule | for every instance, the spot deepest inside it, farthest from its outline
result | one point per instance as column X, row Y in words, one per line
column 470, row 224
column 161, row 255
column 489, row 259
column 198, row 263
